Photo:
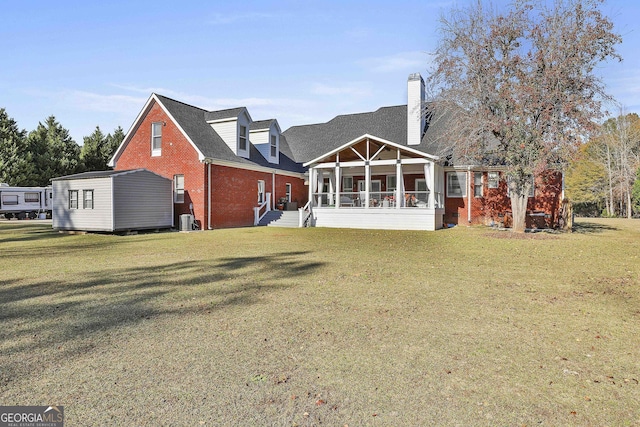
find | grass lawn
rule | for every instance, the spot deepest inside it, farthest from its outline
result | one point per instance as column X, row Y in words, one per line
column 284, row 327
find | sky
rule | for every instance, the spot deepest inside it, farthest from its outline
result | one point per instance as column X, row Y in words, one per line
column 96, row 63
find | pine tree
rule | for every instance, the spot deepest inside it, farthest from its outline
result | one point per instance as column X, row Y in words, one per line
column 57, row 153
column 17, row 166
column 92, row 152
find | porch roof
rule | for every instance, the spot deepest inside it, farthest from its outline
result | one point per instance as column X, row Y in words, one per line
column 379, row 142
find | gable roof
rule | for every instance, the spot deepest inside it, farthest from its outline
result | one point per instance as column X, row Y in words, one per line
column 192, row 121
column 262, row 124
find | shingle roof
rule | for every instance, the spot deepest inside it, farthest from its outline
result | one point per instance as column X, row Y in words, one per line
column 223, row 114
column 210, row 144
column 94, row 174
column 262, row 124
column 309, row 142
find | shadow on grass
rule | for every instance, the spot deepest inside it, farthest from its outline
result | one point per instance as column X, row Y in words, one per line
column 59, row 319
column 591, row 227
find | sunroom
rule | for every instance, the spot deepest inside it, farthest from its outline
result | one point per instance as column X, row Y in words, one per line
column 376, row 184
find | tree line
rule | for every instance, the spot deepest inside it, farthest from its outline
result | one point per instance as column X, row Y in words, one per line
column 604, row 180
column 34, row 158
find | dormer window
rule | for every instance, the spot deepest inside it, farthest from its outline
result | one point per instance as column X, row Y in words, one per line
column 274, row 148
column 242, row 143
column 156, row 138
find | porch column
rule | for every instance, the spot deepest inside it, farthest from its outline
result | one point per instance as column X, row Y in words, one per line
column 367, row 184
column 399, row 185
column 332, row 187
column 429, row 180
column 338, row 183
column 320, row 184
column 313, row 184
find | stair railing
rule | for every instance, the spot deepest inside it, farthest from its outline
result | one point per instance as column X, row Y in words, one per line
column 266, row 205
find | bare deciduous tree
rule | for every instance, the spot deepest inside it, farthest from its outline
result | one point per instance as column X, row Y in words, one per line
column 521, row 84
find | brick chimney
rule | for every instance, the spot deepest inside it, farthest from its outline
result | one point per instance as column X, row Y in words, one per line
column 415, row 105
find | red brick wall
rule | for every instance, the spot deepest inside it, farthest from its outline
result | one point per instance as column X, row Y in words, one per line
column 178, row 157
column 235, row 194
column 495, row 206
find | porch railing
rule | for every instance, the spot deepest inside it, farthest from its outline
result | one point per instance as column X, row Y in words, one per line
column 377, row 199
column 264, row 207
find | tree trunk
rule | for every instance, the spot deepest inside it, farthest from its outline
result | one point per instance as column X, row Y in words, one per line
column 519, row 212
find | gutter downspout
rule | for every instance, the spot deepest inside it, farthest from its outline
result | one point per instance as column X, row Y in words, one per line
column 209, row 196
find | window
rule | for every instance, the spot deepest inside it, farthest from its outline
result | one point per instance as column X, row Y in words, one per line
column 178, row 189
column 260, row 192
column 156, row 138
column 391, row 183
column 10, row 199
column 347, row 183
column 288, row 191
column 32, row 197
column 456, row 184
column 422, row 191
column 532, row 189
column 73, row 199
column 242, row 143
column 87, row 199
column 274, row 148
column 493, row 179
column 477, row 184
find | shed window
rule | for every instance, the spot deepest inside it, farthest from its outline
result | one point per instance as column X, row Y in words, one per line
column 456, row 184
column 274, row 147
column 32, row 197
column 87, row 199
column 73, row 199
column 156, row 138
column 178, row 188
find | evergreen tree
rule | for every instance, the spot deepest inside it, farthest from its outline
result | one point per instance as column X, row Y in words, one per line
column 57, row 153
column 92, row 152
column 17, row 166
column 113, row 142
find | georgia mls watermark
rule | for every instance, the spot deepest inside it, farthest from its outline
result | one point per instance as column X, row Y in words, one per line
column 31, row 416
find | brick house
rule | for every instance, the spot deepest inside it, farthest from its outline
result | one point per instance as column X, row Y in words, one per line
column 222, row 163
column 366, row 170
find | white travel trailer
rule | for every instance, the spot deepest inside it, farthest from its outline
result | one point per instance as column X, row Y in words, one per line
column 25, row 202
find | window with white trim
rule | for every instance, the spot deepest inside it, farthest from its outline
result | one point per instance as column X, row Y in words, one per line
column 274, row 146
column 347, row 184
column 87, row 199
column 493, row 179
column 422, row 191
column 261, row 190
column 156, row 138
column 178, row 189
column 456, row 184
column 391, row 183
column 477, row 184
column 73, row 199
column 242, row 138
column 288, row 191
column 532, row 189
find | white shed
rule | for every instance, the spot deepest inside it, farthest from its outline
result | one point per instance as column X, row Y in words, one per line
column 112, row 201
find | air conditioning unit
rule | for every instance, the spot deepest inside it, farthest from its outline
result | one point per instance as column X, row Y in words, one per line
column 186, row 222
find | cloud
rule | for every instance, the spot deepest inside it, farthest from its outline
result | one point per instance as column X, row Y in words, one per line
column 402, row 61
